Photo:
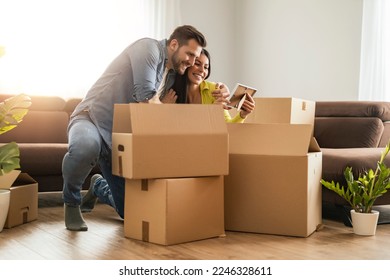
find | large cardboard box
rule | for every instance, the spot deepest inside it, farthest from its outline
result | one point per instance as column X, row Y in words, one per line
column 282, row 110
column 171, row 211
column 169, row 141
column 273, row 184
column 23, row 206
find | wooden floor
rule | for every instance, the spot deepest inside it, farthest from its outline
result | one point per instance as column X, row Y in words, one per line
column 47, row 239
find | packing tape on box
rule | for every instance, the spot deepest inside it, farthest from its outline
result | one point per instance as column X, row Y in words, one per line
column 144, row 185
column 145, row 231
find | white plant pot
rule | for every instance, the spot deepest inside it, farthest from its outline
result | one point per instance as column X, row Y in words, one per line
column 364, row 223
column 5, row 196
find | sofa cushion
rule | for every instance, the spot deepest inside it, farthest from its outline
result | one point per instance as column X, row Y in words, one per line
column 353, row 109
column 338, row 132
column 43, row 162
column 42, row 158
column 39, row 127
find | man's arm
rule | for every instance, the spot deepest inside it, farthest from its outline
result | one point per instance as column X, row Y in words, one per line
column 145, row 58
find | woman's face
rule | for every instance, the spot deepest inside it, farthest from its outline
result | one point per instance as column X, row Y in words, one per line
column 198, row 72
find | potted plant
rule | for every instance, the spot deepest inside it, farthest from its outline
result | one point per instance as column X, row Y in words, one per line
column 362, row 192
column 12, row 111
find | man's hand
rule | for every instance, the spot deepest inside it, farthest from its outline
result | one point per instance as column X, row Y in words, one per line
column 221, row 95
column 155, row 99
column 170, row 97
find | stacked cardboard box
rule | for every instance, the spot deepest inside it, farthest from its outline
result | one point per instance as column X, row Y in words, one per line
column 275, row 168
column 174, row 159
column 23, row 204
column 283, row 110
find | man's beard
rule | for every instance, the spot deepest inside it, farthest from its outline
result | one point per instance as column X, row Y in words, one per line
column 177, row 64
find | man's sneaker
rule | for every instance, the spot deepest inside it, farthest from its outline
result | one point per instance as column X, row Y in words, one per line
column 89, row 200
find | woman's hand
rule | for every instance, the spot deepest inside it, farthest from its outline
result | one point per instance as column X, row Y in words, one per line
column 170, row 97
column 221, row 94
column 248, row 106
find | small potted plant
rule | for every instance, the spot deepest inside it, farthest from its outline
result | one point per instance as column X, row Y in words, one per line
column 12, row 111
column 362, row 192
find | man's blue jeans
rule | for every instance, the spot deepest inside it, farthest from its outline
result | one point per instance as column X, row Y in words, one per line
column 86, row 149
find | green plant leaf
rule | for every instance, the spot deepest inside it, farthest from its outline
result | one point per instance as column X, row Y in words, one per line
column 12, row 111
column 9, row 158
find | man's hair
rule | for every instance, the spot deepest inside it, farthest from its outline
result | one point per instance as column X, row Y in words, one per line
column 185, row 33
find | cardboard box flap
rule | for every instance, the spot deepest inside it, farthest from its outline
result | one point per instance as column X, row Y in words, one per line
column 270, row 139
column 8, row 179
column 23, row 179
column 121, row 119
column 314, row 147
column 157, row 119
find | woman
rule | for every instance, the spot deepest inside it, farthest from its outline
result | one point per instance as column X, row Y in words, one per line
column 193, row 88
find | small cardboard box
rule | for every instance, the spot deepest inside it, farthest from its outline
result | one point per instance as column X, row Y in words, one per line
column 282, row 110
column 171, row 211
column 273, row 184
column 169, row 141
column 23, row 206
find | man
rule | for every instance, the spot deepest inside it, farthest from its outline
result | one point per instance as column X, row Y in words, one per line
column 134, row 76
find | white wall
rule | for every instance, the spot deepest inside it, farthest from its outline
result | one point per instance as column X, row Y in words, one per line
column 216, row 20
column 307, row 49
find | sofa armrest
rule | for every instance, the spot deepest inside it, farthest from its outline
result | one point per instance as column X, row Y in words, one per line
column 340, row 132
column 386, row 134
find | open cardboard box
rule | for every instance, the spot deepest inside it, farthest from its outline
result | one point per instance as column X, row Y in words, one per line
column 282, row 110
column 169, row 141
column 273, row 184
column 23, row 207
column 171, row 211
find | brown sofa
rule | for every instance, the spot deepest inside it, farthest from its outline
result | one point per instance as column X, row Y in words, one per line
column 350, row 133
column 42, row 140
